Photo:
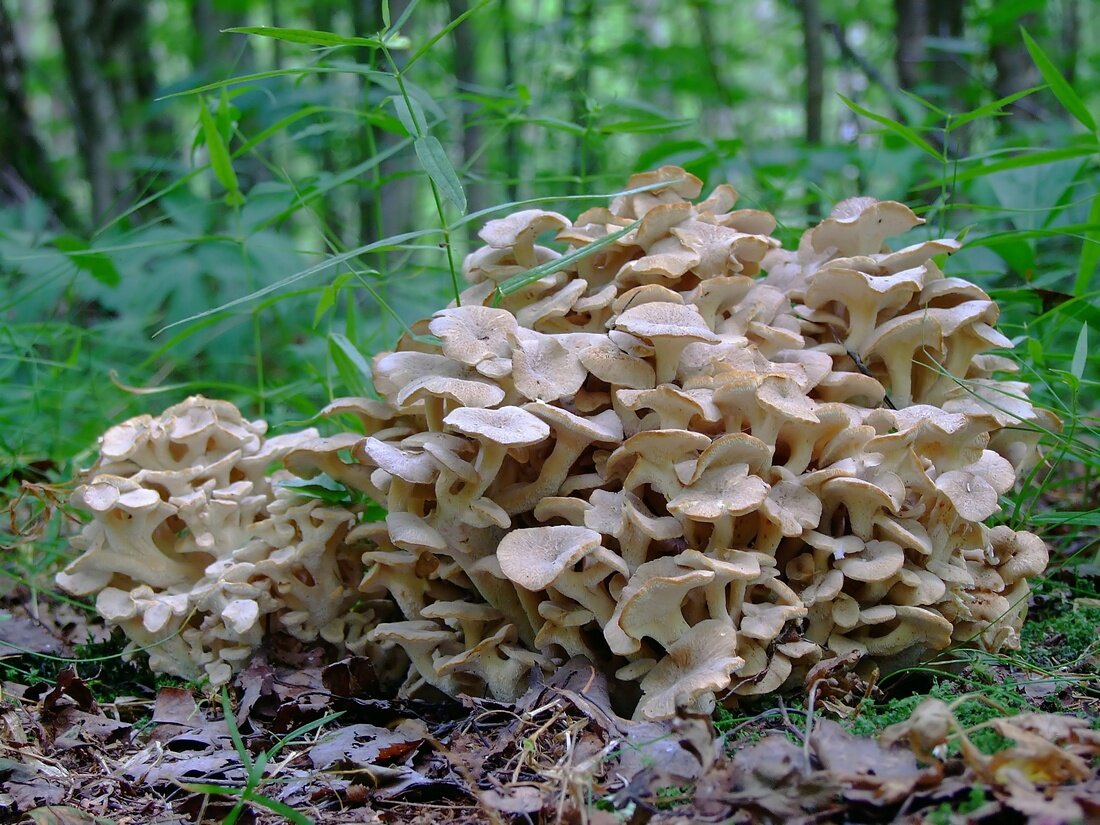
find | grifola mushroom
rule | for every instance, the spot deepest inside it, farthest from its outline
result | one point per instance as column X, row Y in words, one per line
column 197, row 554
column 703, row 480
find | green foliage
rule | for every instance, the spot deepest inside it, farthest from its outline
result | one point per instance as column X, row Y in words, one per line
column 1000, row 700
column 1066, row 637
column 250, row 793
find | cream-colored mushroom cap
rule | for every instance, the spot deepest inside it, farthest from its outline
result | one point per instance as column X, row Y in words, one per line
column 670, row 327
column 650, row 605
column 543, row 369
column 507, row 426
column 519, row 230
column 534, row 557
column 878, row 561
column 859, row 226
column 472, row 334
column 702, row 662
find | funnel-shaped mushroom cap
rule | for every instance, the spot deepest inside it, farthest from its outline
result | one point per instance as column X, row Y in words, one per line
column 699, row 664
column 507, row 426
column 519, row 231
column 974, row 490
column 472, row 334
column 859, row 226
column 534, row 557
column 650, row 605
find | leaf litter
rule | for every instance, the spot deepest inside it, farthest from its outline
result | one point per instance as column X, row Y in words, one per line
column 560, row 754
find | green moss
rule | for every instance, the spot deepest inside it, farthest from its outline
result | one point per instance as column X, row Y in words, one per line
column 970, row 713
column 1063, row 638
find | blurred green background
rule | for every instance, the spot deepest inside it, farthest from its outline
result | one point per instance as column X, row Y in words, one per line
column 155, row 167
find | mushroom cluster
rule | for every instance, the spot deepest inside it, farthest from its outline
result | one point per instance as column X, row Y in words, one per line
column 198, row 553
column 698, row 459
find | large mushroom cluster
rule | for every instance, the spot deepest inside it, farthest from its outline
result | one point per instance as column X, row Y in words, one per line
column 698, row 459
column 199, row 554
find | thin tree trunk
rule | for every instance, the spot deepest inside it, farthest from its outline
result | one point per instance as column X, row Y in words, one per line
column 713, row 53
column 815, row 83
column 366, row 18
column 24, row 164
column 910, row 29
column 815, row 69
column 97, row 122
column 466, row 79
column 1015, row 69
column 511, row 134
column 1071, row 38
column 584, row 161
column 949, row 69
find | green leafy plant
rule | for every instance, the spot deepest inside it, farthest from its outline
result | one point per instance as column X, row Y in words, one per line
column 255, row 769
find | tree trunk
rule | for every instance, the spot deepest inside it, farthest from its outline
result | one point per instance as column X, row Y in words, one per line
column 815, row 69
column 815, row 84
column 580, row 17
column 1016, row 70
column 1071, row 38
column 98, row 135
column 949, row 69
column 910, row 29
column 511, row 134
column 466, row 79
column 24, row 165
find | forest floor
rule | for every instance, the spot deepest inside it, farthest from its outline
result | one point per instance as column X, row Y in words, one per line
column 971, row 737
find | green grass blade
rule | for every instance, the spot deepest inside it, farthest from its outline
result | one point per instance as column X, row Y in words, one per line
column 385, row 243
column 518, row 282
column 993, row 108
column 1090, row 251
column 280, row 808
column 220, row 162
column 1080, row 353
column 234, row 731
column 906, row 133
column 312, row 37
column 1058, row 84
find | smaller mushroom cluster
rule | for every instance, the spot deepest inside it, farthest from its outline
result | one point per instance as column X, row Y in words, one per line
column 198, row 553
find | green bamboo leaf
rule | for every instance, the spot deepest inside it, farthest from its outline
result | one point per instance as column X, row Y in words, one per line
column 433, row 157
column 281, row 808
column 993, row 108
column 1024, row 159
column 1058, row 84
column 518, row 282
column 313, row 37
column 1080, row 353
column 220, row 161
column 906, row 133
column 1090, row 251
column 411, row 114
column 86, row 259
column 354, row 370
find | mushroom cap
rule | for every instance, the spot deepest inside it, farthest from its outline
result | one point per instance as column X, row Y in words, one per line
column 507, row 426
column 702, row 662
column 534, row 557
column 604, row 428
column 665, row 320
column 473, row 333
column 543, row 369
column 465, row 392
column 859, row 226
column 878, row 561
column 521, row 227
